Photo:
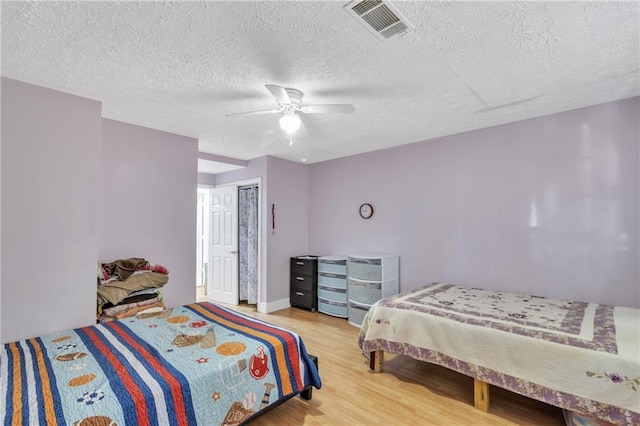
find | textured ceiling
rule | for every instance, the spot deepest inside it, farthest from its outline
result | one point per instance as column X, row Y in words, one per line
column 182, row 66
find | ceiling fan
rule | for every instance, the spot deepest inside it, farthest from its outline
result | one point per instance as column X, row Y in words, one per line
column 290, row 104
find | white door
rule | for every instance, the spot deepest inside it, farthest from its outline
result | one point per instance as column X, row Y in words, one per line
column 223, row 250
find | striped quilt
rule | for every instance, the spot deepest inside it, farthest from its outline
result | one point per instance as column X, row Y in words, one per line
column 195, row 364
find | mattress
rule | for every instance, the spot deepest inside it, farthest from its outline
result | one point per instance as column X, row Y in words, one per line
column 195, row 364
column 580, row 356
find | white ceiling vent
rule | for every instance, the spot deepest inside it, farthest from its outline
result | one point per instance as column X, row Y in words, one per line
column 380, row 17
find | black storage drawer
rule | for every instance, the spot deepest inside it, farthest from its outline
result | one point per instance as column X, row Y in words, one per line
column 303, row 266
column 303, row 282
column 304, row 299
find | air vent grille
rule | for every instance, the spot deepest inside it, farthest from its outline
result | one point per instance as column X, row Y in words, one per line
column 379, row 16
column 365, row 6
column 397, row 29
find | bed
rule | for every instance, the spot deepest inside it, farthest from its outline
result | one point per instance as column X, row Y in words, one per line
column 195, row 364
column 582, row 357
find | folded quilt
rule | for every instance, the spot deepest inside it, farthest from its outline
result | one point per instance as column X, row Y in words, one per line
column 122, row 268
column 132, row 311
column 117, row 291
column 135, row 297
column 146, row 291
column 113, row 311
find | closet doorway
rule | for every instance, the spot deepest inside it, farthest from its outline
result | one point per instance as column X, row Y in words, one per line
column 248, row 243
column 229, row 250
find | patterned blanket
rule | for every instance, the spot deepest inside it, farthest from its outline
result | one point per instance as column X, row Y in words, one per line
column 580, row 356
column 196, row 364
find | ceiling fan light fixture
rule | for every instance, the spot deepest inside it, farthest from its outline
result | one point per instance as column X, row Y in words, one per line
column 290, row 122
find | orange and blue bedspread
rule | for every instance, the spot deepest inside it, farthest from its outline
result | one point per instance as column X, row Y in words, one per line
column 195, row 364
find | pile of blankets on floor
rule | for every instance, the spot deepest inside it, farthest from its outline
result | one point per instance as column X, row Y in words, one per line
column 129, row 286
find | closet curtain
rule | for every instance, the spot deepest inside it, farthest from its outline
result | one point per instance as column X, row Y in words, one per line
column 248, row 243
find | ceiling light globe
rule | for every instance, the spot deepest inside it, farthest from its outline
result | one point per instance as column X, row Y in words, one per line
column 290, row 122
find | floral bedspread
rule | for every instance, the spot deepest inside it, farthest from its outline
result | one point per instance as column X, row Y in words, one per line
column 580, row 356
column 195, row 364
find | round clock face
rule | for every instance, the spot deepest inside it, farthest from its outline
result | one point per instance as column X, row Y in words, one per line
column 366, row 211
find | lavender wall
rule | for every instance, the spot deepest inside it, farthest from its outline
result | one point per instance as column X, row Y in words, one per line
column 206, row 179
column 546, row 206
column 288, row 190
column 50, row 149
column 255, row 168
column 148, row 185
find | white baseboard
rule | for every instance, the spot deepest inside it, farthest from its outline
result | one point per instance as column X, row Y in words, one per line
column 267, row 308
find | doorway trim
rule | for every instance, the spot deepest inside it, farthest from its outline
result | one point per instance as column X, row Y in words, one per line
column 261, row 305
column 204, row 216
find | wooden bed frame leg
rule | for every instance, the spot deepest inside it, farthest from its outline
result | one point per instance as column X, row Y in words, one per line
column 481, row 395
column 376, row 361
column 307, row 393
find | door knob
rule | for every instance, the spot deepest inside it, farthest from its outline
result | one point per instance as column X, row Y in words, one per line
column 233, row 252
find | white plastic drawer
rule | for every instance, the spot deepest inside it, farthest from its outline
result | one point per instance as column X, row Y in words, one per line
column 331, row 307
column 332, row 280
column 356, row 314
column 365, row 269
column 365, row 292
column 333, row 293
column 332, row 266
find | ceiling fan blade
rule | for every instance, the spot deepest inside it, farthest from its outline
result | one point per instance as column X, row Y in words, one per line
column 279, row 92
column 265, row 111
column 329, row 108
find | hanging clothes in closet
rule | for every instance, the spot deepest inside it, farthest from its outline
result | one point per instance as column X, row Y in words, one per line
column 248, row 243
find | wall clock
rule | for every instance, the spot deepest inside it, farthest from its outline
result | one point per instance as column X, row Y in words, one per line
column 366, row 211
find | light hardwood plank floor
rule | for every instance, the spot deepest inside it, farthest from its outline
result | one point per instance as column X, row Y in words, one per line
column 201, row 294
column 409, row 392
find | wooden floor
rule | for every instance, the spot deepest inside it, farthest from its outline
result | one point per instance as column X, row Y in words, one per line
column 201, row 293
column 409, row 392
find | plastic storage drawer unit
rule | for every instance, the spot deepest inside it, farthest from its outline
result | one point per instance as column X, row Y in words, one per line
column 332, row 285
column 303, row 284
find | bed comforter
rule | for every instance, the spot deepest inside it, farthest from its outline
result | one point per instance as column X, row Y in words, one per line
column 580, row 356
column 196, row 364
